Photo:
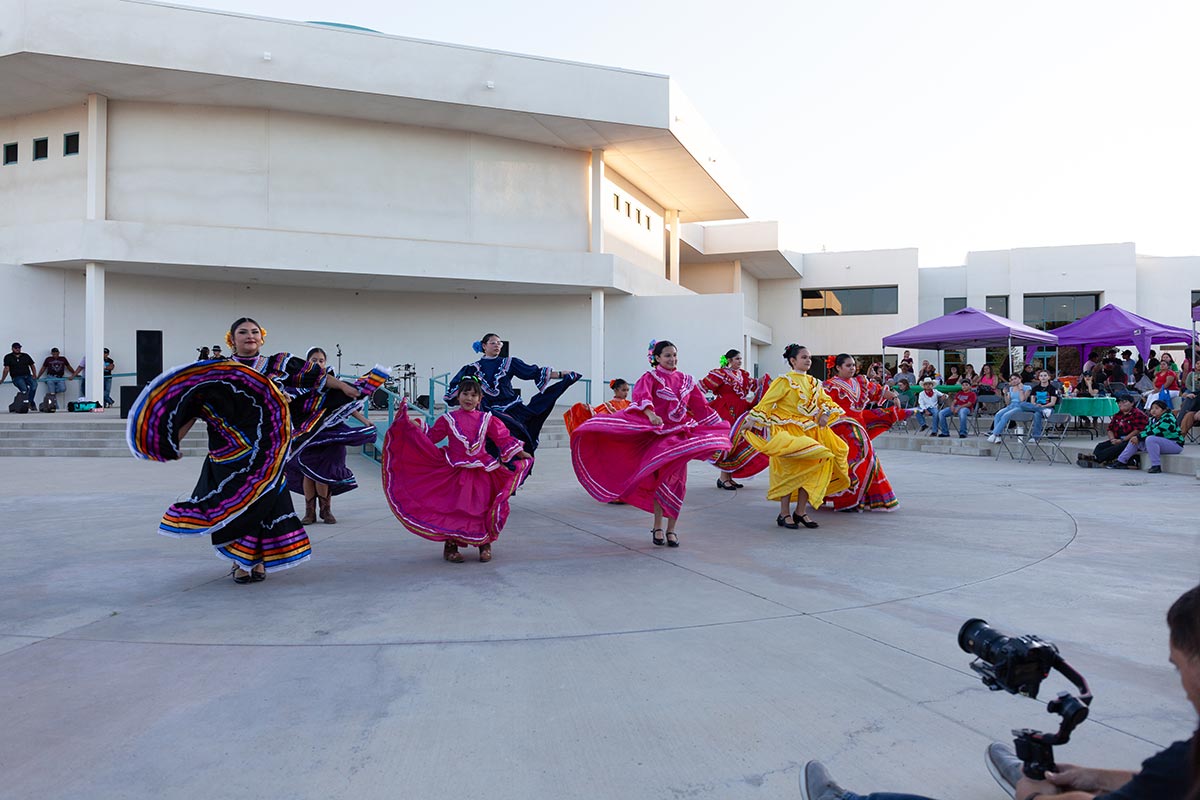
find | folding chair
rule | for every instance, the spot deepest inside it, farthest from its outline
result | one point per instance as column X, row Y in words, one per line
column 1053, row 432
column 986, row 404
column 1007, row 436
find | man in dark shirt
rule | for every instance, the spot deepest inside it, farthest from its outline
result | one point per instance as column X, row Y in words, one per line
column 21, row 366
column 1164, row 776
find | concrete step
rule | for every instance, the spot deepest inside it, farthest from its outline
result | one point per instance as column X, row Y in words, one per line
column 80, row 452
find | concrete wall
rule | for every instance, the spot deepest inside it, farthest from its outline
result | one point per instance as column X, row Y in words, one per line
column 715, row 278
column 256, row 168
column 433, row 331
column 779, row 301
column 48, row 190
column 624, row 234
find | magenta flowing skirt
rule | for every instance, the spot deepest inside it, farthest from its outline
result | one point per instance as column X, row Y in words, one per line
column 439, row 501
column 623, row 457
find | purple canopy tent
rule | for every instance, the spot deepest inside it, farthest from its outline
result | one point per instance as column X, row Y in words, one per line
column 969, row 327
column 1112, row 326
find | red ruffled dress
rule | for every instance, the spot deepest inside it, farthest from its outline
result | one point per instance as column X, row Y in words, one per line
column 735, row 393
column 624, row 457
column 869, row 487
column 458, row 493
column 577, row 414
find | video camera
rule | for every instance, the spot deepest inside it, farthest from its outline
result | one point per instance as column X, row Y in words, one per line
column 1018, row 665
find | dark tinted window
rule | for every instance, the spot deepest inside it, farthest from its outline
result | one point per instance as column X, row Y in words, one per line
column 70, row 144
column 41, row 149
column 10, row 153
column 858, row 301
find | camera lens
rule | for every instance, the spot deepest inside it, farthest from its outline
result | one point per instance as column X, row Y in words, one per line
column 980, row 640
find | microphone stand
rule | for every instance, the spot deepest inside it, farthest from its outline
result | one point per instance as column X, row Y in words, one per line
column 339, row 358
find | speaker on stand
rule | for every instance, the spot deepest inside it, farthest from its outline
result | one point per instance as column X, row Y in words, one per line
column 149, row 360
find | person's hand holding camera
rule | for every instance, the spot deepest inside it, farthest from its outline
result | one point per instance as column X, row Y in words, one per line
column 1088, row 779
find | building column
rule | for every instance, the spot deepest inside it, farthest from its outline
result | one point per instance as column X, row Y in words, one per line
column 93, row 330
column 97, row 157
column 597, row 364
column 596, row 236
column 672, row 219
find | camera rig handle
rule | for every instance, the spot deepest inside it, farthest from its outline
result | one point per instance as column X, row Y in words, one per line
column 1035, row 748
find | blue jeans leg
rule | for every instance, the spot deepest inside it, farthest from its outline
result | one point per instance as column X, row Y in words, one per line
column 26, row 385
column 963, row 415
column 1001, row 420
column 108, row 391
column 942, row 424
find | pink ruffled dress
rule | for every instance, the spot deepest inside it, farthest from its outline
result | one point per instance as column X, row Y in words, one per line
column 623, row 456
column 458, row 493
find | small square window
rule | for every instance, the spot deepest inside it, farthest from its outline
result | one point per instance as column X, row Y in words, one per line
column 41, row 149
column 617, row 202
column 10, row 153
column 70, row 144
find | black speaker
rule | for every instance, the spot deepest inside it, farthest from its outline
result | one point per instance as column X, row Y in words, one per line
column 149, row 356
column 503, row 348
column 129, row 396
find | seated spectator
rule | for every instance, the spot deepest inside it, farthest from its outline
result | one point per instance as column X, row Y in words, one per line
column 1167, row 775
column 927, row 403
column 903, row 392
column 1188, row 411
column 905, row 373
column 1115, row 372
column 1123, row 429
column 1141, row 381
column 969, row 372
column 55, row 369
column 1161, row 435
column 987, row 380
column 1167, row 362
column 1028, row 374
column 875, row 373
column 1166, row 386
column 1090, row 386
column 953, row 376
column 1017, row 393
column 1043, row 396
column 961, row 406
column 1185, row 369
column 1091, row 362
column 1152, row 363
column 109, row 367
column 928, row 371
column 21, row 366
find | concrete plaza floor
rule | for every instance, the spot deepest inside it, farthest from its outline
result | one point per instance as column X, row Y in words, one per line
column 582, row 662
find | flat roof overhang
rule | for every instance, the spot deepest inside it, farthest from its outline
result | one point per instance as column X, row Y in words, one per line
column 54, row 53
column 289, row 258
column 755, row 244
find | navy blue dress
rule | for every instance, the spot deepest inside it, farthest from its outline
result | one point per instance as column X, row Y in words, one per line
column 523, row 420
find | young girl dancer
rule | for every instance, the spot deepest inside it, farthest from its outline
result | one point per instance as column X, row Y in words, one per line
column 869, row 489
column 640, row 455
column 735, row 393
column 808, row 460
column 523, row 421
column 319, row 471
column 578, row 413
column 457, row 495
column 241, row 498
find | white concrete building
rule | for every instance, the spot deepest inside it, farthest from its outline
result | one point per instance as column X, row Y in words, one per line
column 171, row 168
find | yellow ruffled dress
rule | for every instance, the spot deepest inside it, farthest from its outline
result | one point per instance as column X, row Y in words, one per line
column 803, row 454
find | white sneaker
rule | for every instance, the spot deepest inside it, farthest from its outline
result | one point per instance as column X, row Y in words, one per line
column 993, row 438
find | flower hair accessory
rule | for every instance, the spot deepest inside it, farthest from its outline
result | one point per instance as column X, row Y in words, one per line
column 830, row 362
column 262, row 333
column 724, row 362
column 650, row 350
column 477, row 347
column 613, row 383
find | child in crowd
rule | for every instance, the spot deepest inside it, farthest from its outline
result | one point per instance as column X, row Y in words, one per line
column 457, row 495
column 1016, row 397
column 961, row 406
column 927, row 403
column 1161, row 436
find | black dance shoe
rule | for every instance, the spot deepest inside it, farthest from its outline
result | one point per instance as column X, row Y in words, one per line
column 786, row 522
column 805, row 521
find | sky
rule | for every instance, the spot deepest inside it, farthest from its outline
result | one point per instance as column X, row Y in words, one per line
column 868, row 124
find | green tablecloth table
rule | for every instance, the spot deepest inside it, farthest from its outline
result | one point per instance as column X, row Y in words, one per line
column 1087, row 406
